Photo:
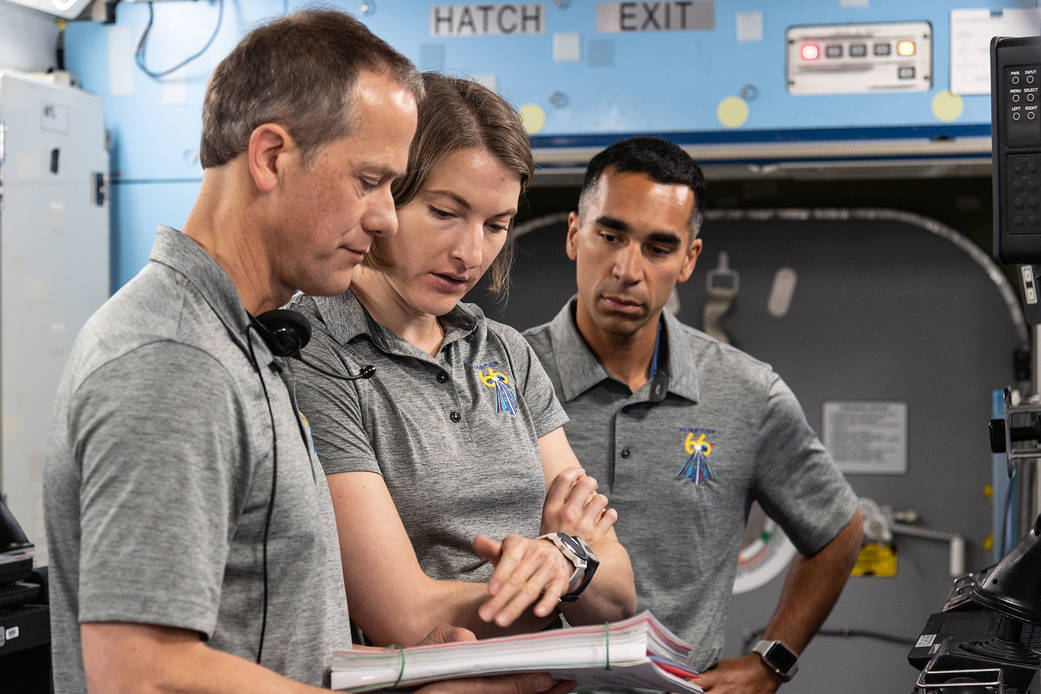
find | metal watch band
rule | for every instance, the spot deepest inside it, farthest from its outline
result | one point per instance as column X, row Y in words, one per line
column 778, row 657
column 585, row 566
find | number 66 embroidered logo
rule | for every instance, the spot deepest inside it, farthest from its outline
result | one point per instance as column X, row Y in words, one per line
column 505, row 400
column 697, row 468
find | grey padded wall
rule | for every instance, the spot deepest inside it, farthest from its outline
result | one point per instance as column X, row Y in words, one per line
column 884, row 309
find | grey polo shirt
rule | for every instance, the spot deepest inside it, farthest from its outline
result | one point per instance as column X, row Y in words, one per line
column 454, row 435
column 683, row 530
column 160, row 470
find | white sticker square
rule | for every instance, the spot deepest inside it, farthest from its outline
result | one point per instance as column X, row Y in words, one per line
column 925, row 640
column 749, row 26
column 11, row 633
column 567, row 48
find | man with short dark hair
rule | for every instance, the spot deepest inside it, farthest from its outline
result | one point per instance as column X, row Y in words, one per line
column 687, row 431
column 193, row 544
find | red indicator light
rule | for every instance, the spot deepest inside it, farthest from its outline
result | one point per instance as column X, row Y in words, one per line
column 810, row 51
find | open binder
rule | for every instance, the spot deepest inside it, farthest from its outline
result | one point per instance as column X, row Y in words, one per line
column 636, row 652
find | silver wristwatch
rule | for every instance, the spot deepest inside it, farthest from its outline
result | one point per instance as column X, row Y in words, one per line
column 778, row 658
column 581, row 557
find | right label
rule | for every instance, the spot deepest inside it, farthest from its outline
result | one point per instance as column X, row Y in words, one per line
column 867, row 437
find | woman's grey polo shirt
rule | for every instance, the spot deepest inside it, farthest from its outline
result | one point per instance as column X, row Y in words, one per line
column 684, row 530
column 454, row 435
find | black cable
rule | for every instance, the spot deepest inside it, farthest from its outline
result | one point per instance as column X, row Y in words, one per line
column 139, row 54
column 847, row 632
column 274, row 483
column 366, row 371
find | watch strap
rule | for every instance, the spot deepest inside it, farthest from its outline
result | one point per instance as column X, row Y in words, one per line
column 585, row 566
column 778, row 657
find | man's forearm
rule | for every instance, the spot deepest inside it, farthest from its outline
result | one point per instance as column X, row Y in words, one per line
column 813, row 585
column 122, row 657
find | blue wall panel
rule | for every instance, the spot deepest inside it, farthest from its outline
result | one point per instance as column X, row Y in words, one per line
column 657, row 82
column 137, row 210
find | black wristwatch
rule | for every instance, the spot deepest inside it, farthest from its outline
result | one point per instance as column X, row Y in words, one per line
column 778, row 658
column 581, row 557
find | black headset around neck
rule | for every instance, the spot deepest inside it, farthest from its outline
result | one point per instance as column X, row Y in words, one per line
column 285, row 333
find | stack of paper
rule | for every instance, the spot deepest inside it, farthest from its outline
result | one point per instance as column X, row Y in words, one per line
column 636, row 652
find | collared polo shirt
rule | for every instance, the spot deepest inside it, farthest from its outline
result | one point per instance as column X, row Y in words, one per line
column 684, row 457
column 454, row 435
column 159, row 475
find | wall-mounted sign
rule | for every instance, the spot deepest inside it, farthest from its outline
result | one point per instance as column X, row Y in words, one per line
column 487, row 20
column 616, row 17
column 867, row 437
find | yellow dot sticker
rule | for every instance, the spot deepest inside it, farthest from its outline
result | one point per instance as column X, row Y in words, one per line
column 532, row 117
column 947, row 106
column 732, row 112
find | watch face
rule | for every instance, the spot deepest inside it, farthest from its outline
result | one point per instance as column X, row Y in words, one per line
column 572, row 545
column 780, row 657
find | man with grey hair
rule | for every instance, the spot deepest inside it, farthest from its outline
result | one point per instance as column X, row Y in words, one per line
column 193, row 544
column 687, row 431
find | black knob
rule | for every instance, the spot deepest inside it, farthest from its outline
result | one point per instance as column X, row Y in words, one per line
column 996, row 429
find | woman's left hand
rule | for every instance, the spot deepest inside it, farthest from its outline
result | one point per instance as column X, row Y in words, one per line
column 527, row 572
column 573, row 506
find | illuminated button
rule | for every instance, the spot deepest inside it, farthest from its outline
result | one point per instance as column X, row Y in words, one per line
column 857, row 50
column 810, row 51
column 833, row 50
column 883, row 49
column 905, row 48
column 905, row 73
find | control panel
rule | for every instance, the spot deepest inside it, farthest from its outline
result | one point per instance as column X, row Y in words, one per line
column 1016, row 141
column 859, row 58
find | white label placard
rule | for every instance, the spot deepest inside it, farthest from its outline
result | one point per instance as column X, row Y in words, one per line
column 487, row 20
column 616, row 17
column 971, row 31
column 54, row 117
column 867, row 436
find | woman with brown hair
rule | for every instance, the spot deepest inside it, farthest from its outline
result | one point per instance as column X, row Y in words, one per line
column 458, row 434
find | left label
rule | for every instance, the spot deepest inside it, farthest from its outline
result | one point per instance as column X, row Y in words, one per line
column 487, row 20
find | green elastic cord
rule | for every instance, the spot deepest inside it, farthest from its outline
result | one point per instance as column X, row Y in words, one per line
column 607, row 645
column 401, row 671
